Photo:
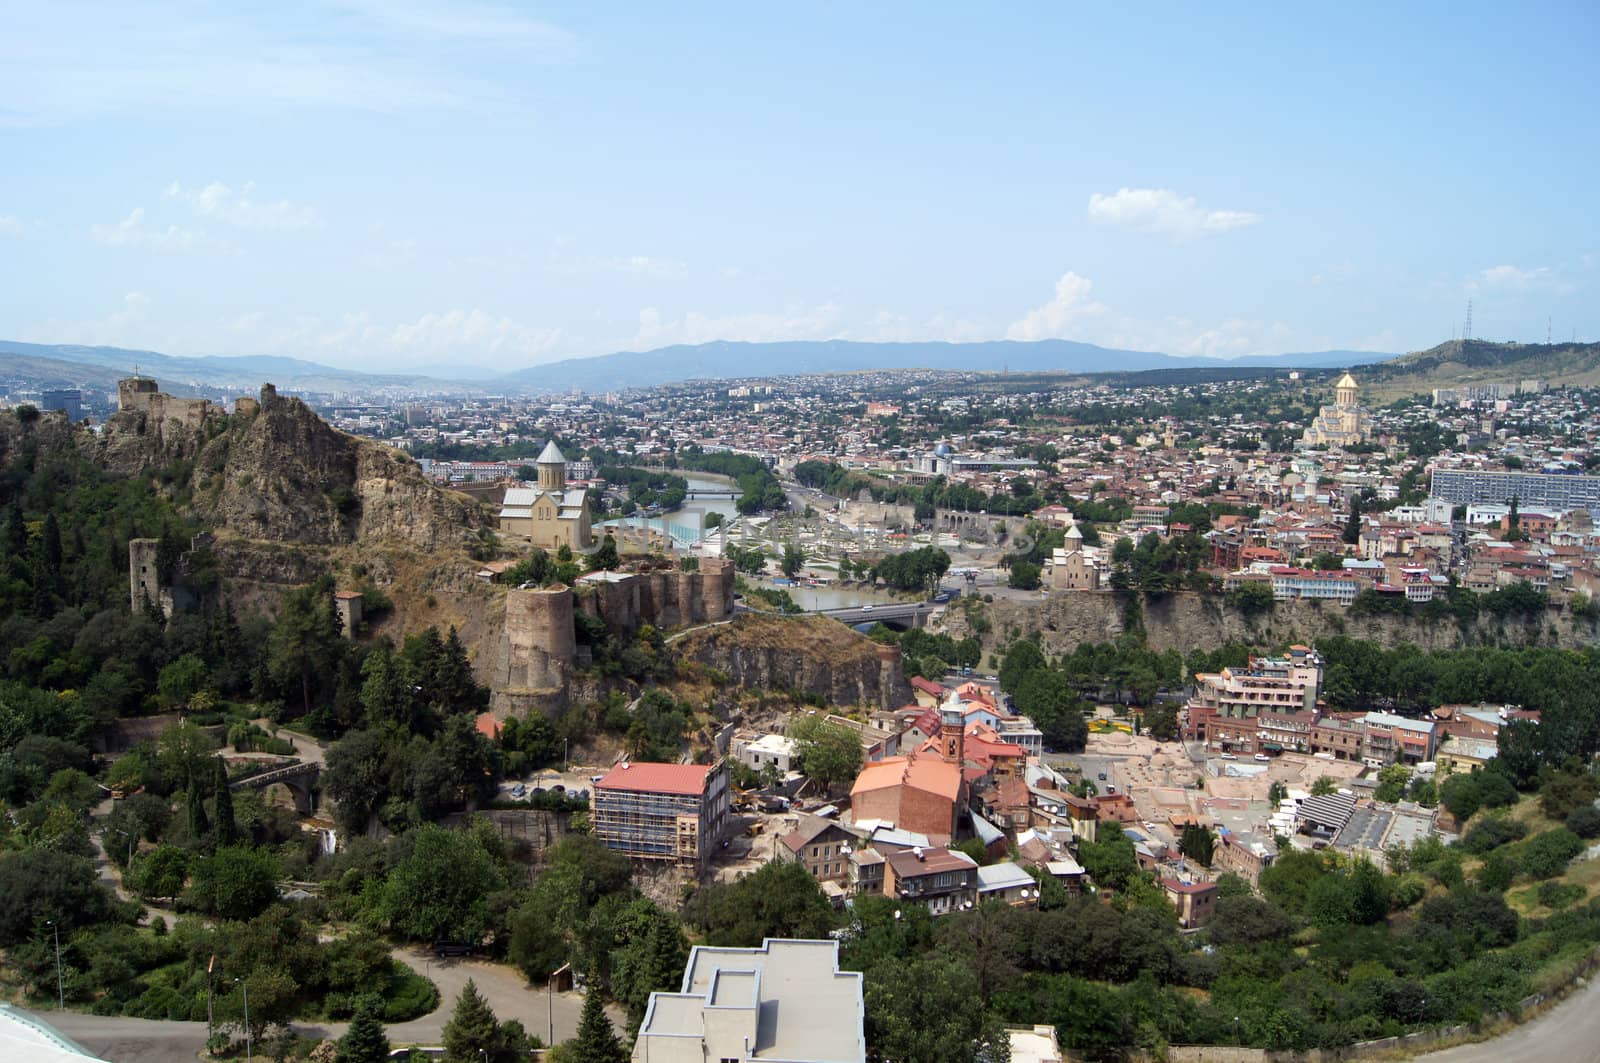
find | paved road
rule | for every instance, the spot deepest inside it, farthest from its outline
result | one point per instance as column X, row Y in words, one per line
column 1569, row 1032
column 123, row 1040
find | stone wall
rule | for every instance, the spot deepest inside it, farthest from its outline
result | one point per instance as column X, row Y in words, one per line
column 1188, row 621
column 662, row 597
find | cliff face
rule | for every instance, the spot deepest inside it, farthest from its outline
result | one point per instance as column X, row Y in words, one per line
column 811, row 654
column 1186, row 621
column 275, row 471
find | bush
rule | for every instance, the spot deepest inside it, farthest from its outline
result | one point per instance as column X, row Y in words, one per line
column 1547, row 855
column 1492, row 832
column 1559, row 894
column 1585, row 822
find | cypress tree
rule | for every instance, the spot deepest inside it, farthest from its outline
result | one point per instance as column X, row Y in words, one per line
column 596, row 1041
column 197, row 815
column 227, row 829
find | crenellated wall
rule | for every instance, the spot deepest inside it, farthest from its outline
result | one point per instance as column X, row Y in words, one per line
column 662, row 597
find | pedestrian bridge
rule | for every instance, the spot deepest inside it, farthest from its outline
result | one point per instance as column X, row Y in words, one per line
column 299, row 779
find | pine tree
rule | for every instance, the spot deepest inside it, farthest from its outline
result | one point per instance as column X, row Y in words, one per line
column 227, row 830
column 365, row 1041
column 472, row 1028
column 596, row 1041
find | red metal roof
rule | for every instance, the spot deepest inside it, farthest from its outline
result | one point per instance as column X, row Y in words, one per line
column 656, row 778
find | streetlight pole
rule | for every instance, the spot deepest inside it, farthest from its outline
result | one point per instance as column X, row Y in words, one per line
column 245, row 988
column 61, row 991
column 550, row 1009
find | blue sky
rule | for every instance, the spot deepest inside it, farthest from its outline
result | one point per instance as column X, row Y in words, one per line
column 413, row 183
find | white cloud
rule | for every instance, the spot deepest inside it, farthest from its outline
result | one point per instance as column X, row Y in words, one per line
column 133, row 232
column 661, row 268
column 1066, row 311
column 461, row 20
column 1511, row 278
column 10, row 225
column 1163, row 211
column 216, row 200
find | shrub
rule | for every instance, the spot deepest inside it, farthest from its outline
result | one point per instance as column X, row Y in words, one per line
column 1585, row 822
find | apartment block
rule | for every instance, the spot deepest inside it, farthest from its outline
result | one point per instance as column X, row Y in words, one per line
column 674, row 813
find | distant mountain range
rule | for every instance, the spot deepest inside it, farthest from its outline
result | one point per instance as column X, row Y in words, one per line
column 54, row 365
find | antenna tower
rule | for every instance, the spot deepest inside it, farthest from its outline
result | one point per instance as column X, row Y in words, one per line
column 1466, row 330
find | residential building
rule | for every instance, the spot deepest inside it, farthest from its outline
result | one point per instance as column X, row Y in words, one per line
column 1007, row 883
column 787, row 1000
column 1390, row 739
column 1267, row 684
column 769, row 749
column 942, row 880
column 669, row 812
column 1558, row 491
column 1289, row 583
column 821, row 846
column 1339, row 736
column 1246, row 855
column 1195, row 901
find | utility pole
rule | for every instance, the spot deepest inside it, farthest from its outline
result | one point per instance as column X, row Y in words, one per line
column 61, row 991
column 245, row 987
column 550, row 1010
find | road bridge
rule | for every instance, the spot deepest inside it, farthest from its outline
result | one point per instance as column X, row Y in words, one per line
column 898, row 615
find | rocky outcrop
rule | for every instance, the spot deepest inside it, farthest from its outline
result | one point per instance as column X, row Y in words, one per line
column 286, row 475
column 803, row 654
column 1187, row 621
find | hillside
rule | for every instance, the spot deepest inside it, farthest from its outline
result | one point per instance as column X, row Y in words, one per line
column 724, row 360
column 1480, row 362
column 43, row 365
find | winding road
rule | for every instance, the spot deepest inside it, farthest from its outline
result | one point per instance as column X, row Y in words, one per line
column 1569, row 1032
column 124, row 1040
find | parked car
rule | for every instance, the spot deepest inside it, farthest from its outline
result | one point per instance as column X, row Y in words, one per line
column 1262, row 757
column 1229, row 756
column 1102, row 776
column 518, row 790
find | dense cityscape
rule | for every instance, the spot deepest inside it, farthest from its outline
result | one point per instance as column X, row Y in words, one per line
column 563, row 533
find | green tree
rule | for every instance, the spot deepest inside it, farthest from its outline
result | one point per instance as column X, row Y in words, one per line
column 1198, row 844
column 473, row 1030
column 227, row 831
column 927, row 1011
column 365, row 1041
column 597, row 1040
column 440, row 889
column 1392, row 782
column 43, row 884
column 778, row 899
column 829, row 753
column 794, row 559
column 234, row 883
column 1024, row 576
column 1323, row 786
column 605, row 557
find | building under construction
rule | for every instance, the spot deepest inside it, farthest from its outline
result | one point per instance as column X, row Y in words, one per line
column 668, row 812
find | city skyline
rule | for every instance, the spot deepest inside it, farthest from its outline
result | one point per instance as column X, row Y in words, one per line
column 412, row 185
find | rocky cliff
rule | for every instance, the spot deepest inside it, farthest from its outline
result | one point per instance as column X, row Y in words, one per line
column 803, row 654
column 1187, row 621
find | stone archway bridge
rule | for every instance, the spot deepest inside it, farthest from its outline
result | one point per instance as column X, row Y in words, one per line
column 299, row 779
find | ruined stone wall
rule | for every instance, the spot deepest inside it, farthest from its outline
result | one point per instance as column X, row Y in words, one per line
column 538, row 645
column 144, row 582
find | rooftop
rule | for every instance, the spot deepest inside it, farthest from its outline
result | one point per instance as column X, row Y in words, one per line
column 689, row 779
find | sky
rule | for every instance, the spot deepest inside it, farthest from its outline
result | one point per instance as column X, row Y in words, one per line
column 413, row 184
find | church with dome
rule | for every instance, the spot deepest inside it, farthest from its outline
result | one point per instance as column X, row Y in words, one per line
column 551, row 515
column 1344, row 423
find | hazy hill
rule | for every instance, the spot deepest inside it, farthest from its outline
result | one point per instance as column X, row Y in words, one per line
column 726, row 360
column 49, row 365
column 1480, row 362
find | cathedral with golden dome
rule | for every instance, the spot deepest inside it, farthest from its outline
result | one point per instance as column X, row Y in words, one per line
column 1344, row 423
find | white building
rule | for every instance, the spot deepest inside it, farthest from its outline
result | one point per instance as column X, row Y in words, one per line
column 786, row 1000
